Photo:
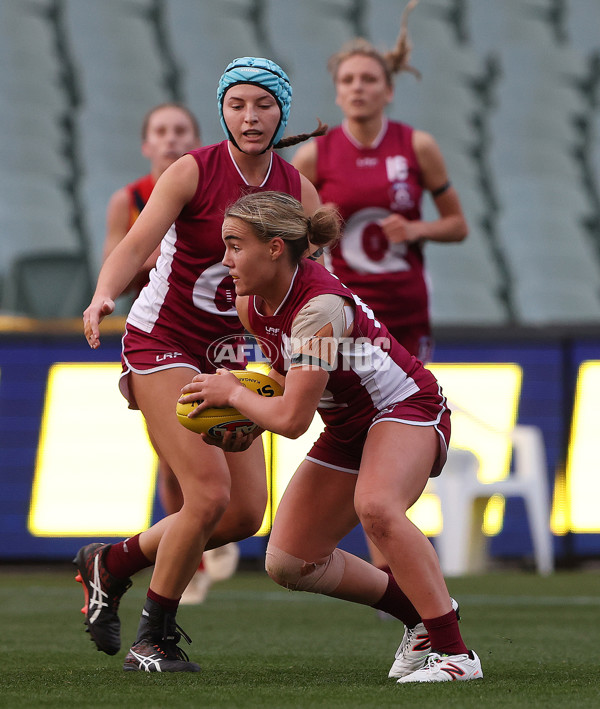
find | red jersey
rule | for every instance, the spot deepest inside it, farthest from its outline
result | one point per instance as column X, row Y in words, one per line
column 367, row 185
column 190, row 297
column 139, row 193
column 373, row 371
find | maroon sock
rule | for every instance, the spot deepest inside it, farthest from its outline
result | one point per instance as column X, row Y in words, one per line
column 444, row 634
column 126, row 558
column 397, row 604
column 169, row 604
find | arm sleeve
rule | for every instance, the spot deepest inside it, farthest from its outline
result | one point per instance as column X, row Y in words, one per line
column 317, row 330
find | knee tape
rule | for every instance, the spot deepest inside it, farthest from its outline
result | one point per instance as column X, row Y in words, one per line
column 299, row 575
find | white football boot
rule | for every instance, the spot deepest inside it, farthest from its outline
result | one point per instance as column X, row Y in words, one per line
column 446, row 668
column 414, row 648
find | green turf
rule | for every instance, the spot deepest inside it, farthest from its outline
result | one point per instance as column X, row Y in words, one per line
column 260, row 646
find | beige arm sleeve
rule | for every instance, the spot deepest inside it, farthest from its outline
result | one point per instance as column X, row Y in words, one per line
column 317, row 330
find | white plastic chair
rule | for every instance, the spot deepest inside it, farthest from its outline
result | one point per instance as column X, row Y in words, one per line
column 461, row 545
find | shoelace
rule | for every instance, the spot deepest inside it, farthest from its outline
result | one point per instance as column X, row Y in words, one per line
column 407, row 640
column 173, row 637
column 433, row 659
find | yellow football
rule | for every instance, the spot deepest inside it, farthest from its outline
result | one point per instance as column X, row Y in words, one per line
column 217, row 421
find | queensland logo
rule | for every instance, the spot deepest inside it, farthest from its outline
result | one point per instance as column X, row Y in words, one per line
column 233, row 351
column 400, row 197
column 243, row 426
column 396, row 168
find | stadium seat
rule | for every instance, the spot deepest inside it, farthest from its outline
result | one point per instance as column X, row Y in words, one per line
column 33, row 193
column 26, row 157
column 549, row 251
column 24, row 231
column 111, row 143
column 461, row 544
column 27, row 40
column 471, row 303
column 427, row 25
column 582, row 25
column 570, row 301
column 551, row 192
column 320, row 30
column 96, row 190
column 113, row 39
column 503, row 24
column 227, row 31
column 30, row 92
column 48, row 285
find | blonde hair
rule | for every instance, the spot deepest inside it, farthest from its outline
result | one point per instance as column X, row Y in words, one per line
column 278, row 215
column 392, row 61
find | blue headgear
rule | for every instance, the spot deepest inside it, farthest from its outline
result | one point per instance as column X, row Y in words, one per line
column 263, row 73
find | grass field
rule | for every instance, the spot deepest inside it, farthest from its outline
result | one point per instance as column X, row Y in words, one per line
column 261, row 646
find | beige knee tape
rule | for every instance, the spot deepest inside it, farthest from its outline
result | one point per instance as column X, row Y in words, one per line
column 299, row 575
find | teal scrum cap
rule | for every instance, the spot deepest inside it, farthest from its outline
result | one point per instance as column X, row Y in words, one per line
column 263, row 73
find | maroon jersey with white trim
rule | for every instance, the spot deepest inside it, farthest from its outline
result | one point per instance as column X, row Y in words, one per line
column 367, row 185
column 191, row 295
column 372, row 372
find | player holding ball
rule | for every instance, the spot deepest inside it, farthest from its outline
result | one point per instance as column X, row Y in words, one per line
column 387, row 428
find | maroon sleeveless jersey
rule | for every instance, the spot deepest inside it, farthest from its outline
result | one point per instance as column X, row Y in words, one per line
column 367, row 185
column 373, row 371
column 190, row 297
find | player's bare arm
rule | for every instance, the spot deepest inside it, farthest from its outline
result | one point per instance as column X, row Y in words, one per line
column 173, row 190
column 305, row 160
column 289, row 415
column 452, row 225
column 117, row 221
column 310, row 197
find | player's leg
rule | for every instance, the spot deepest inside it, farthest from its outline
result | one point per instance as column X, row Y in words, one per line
column 169, row 491
column 204, row 479
column 203, row 476
column 248, row 499
column 315, row 513
column 396, row 464
column 389, row 484
column 244, row 514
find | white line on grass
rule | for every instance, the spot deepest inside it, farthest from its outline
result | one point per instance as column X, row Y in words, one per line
column 481, row 600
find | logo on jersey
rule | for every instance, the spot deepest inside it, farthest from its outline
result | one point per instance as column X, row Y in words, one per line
column 396, row 167
column 367, row 162
column 167, row 355
column 233, row 351
column 400, row 197
column 225, row 295
column 214, row 291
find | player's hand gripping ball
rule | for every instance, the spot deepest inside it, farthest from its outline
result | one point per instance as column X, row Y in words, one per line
column 216, row 422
